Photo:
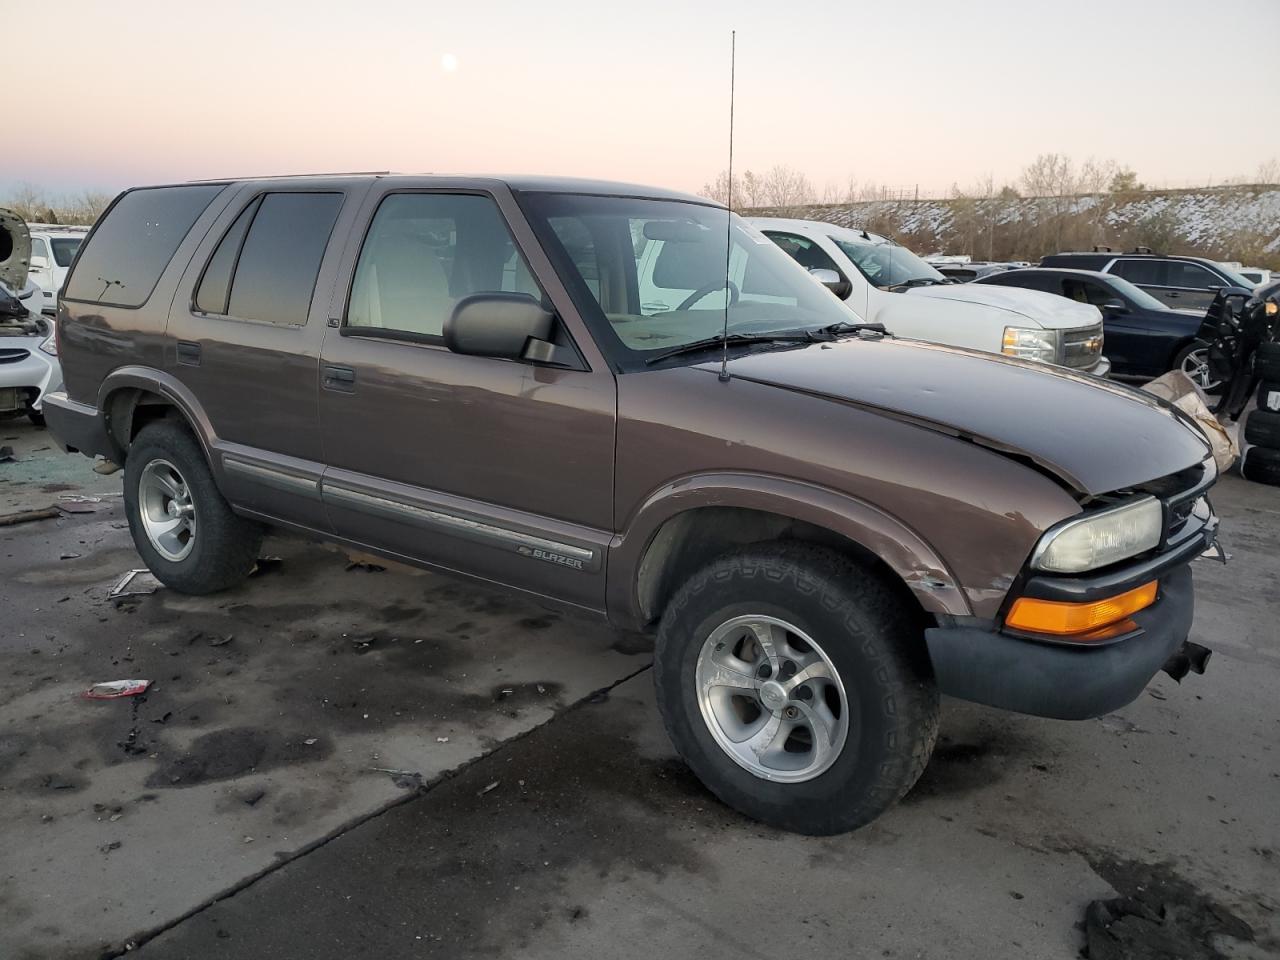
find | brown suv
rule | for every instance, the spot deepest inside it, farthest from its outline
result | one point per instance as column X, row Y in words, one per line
column 525, row 381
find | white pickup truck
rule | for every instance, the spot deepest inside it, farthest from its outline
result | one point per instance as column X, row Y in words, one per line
column 884, row 282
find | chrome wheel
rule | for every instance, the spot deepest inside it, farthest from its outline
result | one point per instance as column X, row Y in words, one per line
column 1196, row 366
column 772, row 699
column 165, row 508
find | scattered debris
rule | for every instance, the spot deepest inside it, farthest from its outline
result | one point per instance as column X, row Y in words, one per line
column 265, row 565
column 489, row 789
column 78, row 504
column 442, row 739
column 248, row 839
column 68, row 556
column 26, row 516
column 108, row 847
column 405, row 779
column 163, row 719
column 362, row 643
column 135, row 583
column 216, row 641
column 6, row 454
column 366, row 566
column 311, row 741
column 113, row 689
column 105, row 467
column 250, row 798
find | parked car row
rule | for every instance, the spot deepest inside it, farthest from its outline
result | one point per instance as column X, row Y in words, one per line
column 628, row 401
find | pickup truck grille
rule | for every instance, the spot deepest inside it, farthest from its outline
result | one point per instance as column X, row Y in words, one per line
column 1082, row 347
column 13, row 355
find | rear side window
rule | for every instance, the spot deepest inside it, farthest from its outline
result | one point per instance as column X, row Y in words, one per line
column 1150, row 272
column 135, row 242
column 265, row 266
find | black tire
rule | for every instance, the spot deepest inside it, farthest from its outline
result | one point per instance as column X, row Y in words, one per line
column 36, row 417
column 225, row 546
column 1262, row 428
column 1266, row 361
column 1269, row 396
column 873, row 639
column 1261, row 465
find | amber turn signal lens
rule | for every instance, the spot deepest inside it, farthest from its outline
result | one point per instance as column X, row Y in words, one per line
column 1065, row 619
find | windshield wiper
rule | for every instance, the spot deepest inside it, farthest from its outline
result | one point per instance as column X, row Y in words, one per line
column 844, row 326
column 919, row 282
column 734, row 340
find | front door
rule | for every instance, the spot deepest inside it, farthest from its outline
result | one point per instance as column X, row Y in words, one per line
column 496, row 468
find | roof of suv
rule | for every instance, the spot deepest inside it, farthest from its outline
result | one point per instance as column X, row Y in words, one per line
column 524, row 183
column 1106, row 256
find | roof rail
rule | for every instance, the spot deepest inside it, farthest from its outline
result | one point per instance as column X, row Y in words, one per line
column 1102, row 248
column 296, row 176
column 1142, row 250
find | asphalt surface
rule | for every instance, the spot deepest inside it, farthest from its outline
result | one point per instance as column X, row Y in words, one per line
column 388, row 763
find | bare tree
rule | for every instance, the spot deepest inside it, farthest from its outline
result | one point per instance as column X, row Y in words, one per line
column 1269, row 171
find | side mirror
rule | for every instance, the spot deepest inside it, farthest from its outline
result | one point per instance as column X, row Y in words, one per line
column 832, row 281
column 1114, row 307
column 513, row 326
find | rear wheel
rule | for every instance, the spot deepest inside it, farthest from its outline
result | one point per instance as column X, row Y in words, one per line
column 796, row 686
column 186, row 532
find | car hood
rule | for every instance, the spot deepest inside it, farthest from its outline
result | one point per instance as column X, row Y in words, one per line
column 1047, row 309
column 1096, row 436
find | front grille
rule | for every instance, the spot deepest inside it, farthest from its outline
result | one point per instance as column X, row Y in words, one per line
column 13, row 355
column 1082, row 346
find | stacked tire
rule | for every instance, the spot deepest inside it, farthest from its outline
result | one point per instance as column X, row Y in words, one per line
column 1262, row 427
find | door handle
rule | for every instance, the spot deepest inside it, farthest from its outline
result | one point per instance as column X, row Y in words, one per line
column 189, row 353
column 340, row 379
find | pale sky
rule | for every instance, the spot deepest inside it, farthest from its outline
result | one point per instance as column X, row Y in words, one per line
column 900, row 93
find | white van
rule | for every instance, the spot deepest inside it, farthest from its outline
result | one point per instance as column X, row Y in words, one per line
column 884, row 282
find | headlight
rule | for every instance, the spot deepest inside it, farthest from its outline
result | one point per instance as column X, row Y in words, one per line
column 1031, row 344
column 1098, row 539
column 50, row 346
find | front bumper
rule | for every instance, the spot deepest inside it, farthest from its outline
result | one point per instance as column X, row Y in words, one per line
column 37, row 371
column 1063, row 680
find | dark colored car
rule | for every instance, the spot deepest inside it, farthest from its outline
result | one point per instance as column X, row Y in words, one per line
column 968, row 272
column 1144, row 337
column 1189, row 283
column 826, row 527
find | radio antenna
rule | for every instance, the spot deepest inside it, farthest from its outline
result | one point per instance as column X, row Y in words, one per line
column 728, row 217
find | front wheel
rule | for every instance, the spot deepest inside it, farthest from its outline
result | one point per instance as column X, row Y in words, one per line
column 1193, row 360
column 796, row 686
column 185, row 531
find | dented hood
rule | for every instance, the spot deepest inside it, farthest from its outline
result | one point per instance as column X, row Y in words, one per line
column 1095, row 435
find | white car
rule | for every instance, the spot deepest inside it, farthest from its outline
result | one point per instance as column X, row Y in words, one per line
column 52, row 250
column 884, row 282
column 29, row 367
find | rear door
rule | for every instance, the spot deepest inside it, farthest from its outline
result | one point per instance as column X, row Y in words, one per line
column 496, row 468
column 245, row 335
column 1190, row 286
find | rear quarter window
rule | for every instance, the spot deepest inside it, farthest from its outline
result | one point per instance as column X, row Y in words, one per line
column 123, row 260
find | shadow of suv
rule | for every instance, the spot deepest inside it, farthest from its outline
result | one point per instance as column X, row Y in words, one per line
column 826, row 526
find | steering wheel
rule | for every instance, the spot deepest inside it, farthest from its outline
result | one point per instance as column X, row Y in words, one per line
column 708, row 288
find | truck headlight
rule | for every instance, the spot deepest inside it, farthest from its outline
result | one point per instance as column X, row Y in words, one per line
column 50, row 345
column 1098, row 539
column 1031, row 343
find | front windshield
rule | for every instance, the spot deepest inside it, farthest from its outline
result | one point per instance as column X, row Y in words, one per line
column 64, row 249
column 1236, row 279
column 886, row 264
column 1136, row 294
column 655, row 269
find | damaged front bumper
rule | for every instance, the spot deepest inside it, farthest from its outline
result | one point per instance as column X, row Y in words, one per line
column 1056, row 677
